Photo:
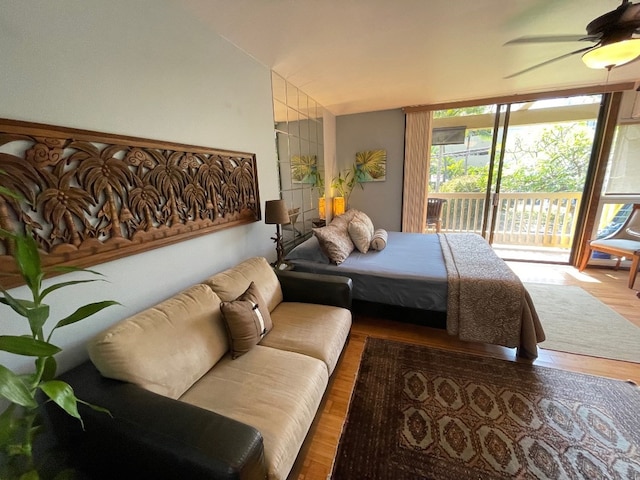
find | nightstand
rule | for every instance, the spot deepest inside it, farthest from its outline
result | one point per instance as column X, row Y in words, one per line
column 318, row 222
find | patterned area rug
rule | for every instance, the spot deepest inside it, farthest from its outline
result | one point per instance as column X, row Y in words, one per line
column 418, row 412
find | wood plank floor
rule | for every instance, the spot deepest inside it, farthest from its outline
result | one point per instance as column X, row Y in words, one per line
column 316, row 458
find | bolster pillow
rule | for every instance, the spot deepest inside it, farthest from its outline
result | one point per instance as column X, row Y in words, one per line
column 379, row 240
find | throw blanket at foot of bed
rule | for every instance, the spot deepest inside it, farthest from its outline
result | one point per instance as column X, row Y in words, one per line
column 486, row 301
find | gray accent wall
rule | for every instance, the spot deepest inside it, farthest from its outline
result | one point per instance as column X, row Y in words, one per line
column 382, row 201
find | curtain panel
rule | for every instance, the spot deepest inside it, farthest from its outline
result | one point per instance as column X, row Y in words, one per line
column 417, row 155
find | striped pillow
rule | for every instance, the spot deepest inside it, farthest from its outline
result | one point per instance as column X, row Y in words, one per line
column 379, row 240
column 247, row 320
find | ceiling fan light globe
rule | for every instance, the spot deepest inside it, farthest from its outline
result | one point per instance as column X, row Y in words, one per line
column 612, row 54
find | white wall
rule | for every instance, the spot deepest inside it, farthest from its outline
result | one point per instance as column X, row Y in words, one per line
column 382, row 201
column 147, row 69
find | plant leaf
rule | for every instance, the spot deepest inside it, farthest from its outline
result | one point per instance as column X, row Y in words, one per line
column 9, row 193
column 7, row 424
column 28, row 259
column 13, row 389
column 68, row 269
column 95, row 407
column 30, row 475
column 27, row 346
column 37, row 317
column 19, row 306
column 50, row 367
column 62, row 394
column 7, row 234
column 84, row 312
column 55, row 287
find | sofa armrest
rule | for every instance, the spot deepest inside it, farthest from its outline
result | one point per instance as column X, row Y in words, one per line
column 152, row 436
column 324, row 289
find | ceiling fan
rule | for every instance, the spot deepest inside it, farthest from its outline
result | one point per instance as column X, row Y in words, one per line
column 612, row 34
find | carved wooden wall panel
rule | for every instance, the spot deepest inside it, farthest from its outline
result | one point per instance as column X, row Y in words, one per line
column 91, row 197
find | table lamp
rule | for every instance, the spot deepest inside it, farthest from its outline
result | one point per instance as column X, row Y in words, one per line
column 276, row 213
column 322, row 208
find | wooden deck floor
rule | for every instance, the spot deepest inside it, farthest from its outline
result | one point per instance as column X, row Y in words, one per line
column 316, row 458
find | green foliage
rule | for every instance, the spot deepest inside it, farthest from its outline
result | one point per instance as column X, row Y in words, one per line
column 345, row 181
column 458, row 112
column 556, row 161
column 19, row 423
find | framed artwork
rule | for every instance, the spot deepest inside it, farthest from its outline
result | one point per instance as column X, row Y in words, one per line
column 91, row 197
column 304, row 169
column 371, row 165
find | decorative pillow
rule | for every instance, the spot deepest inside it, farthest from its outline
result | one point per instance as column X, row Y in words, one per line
column 309, row 250
column 364, row 218
column 360, row 234
column 379, row 240
column 247, row 320
column 341, row 221
column 335, row 242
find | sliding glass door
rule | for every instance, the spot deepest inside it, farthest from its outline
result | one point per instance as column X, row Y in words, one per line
column 518, row 176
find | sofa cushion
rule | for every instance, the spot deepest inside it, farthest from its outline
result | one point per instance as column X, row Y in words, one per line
column 319, row 331
column 275, row 391
column 247, row 320
column 166, row 348
column 231, row 283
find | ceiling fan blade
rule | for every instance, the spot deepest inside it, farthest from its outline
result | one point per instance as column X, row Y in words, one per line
column 547, row 62
column 552, row 39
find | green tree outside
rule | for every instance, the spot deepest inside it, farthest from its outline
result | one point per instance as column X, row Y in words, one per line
column 555, row 161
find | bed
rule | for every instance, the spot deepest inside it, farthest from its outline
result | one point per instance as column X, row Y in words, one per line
column 456, row 273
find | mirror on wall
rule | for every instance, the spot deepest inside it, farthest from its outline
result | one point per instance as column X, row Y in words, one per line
column 299, row 147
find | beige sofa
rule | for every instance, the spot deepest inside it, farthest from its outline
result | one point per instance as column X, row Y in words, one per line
column 179, row 350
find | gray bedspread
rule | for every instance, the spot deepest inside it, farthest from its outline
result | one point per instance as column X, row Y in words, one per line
column 409, row 272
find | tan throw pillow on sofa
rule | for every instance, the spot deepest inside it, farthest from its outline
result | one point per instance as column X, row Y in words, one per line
column 335, row 242
column 247, row 320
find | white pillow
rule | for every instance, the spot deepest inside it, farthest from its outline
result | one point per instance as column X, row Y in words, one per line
column 360, row 234
column 364, row 218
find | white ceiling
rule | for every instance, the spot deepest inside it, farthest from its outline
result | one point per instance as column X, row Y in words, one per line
column 355, row 56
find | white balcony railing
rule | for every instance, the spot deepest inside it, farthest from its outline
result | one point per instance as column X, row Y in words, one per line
column 528, row 219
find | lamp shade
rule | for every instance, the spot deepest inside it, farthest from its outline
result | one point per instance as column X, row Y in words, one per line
column 612, row 54
column 276, row 212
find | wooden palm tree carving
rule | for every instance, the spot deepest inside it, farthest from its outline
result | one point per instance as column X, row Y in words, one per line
column 90, row 197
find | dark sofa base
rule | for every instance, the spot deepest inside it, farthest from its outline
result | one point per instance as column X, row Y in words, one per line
column 151, row 436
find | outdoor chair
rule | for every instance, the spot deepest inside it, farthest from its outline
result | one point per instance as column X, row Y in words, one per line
column 434, row 213
column 624, row 243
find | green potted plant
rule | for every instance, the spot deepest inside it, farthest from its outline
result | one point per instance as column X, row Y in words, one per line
column 344, row 183
column 20, row 420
